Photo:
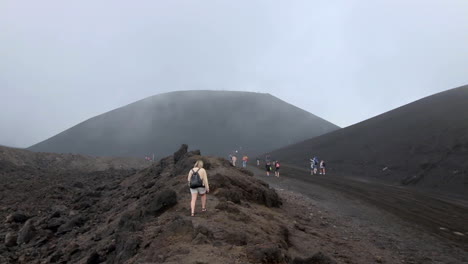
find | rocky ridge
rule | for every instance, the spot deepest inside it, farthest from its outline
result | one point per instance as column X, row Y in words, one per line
column 129, row 216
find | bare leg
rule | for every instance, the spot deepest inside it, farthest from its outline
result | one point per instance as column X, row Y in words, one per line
column 193, row 202
column 203, row 201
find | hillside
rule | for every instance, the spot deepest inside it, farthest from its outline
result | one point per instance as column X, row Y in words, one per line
column 123, row 216
column 62, row 162
column 65, row 215
column 218, row 122
column 422, row 144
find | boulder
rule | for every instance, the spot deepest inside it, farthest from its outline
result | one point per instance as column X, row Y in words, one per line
column 55, row 257
column 230, row 195
column 228, row 207
column 76, row 221
column 200, row 239
column 160, row 202
column 130, row 221
column 236, row 239
column 17, row 218
column 203, row 230
column 179, row 154
column 93, row 258
column 318, row 258
column 270, row 255
column 26, row 233
column 10, row 239
column 239, row 187
column 180, row 226
column 126, row 248
column 53, row 224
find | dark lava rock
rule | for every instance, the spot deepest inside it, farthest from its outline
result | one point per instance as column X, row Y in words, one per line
column 59, row 210
column 94, row 258
column 17, row 218
column 236, row 239
column 228, row 207
column 246, row 172
column 131, row 221
column 126, row 248
column 270, row 255
column 235, row 189
column 148, row 185
column 160, row 202
column 78, row 185
column 180, row 226
column 200, row 239
column 299, row 227
column 318, row 258
column 76, row 221
column 56, row 214
column 203, row 230
column 10, row 239
column 230, row 195
column 284, row 234
column 26, row 233
column 54, row 223
column 55, row 257
column 83, row 205
column 180, row 153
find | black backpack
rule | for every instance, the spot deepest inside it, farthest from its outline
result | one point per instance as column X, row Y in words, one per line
column 195, row 180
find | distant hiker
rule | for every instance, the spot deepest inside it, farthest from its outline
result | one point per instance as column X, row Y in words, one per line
column 322, row 167
column 277, row 168
column 315, row 164
column 311, row 167
column 268, row 168
column 234, row 160
column 198, row 183
column 244, row 161
column 258, row 162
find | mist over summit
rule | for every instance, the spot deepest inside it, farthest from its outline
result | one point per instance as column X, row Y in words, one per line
column 218, row 122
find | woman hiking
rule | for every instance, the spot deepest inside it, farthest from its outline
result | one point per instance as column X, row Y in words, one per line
column 277, row 169
column 268, row 168
column 322, row 167
column 202, row 188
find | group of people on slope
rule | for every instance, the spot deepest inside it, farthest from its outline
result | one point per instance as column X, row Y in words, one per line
column 197, row 178
column 269, row 166
column 316, row 165
column 233, row 160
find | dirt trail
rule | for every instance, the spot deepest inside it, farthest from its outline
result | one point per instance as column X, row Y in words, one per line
column 400, row 212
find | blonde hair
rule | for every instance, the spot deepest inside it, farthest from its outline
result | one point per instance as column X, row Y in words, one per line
column 198, row 164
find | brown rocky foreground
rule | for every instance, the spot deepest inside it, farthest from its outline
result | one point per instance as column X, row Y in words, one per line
column 130, row 216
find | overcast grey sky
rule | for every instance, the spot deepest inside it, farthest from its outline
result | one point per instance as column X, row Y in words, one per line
column 62, row 62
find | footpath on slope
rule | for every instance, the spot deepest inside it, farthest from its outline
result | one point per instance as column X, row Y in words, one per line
column 393, row 219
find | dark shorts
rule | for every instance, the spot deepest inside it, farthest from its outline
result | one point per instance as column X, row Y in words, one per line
column 277, row 168
column 268, row 168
